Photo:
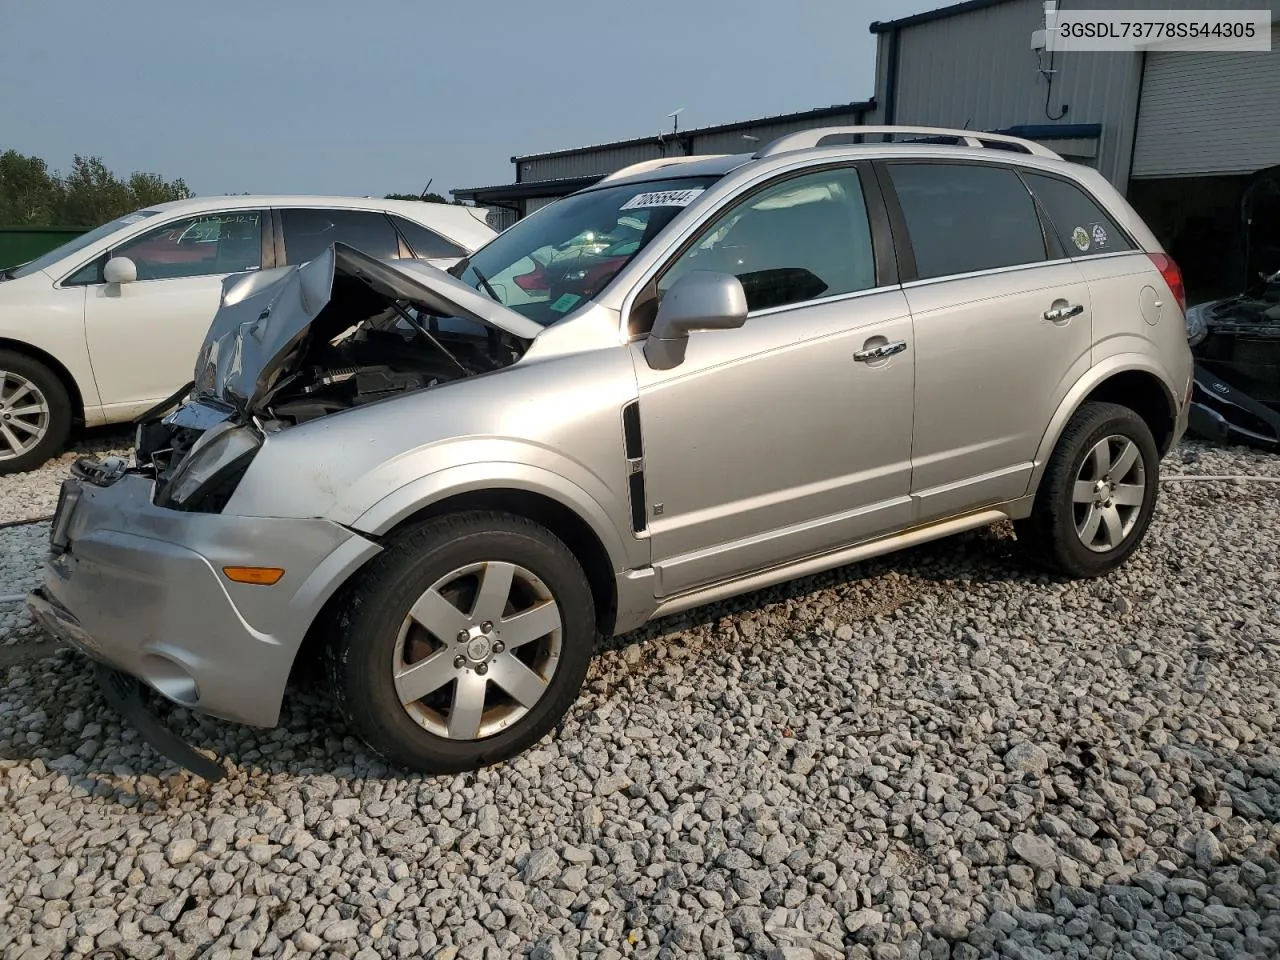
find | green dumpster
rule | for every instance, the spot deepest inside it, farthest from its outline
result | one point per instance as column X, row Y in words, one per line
column 20, row 244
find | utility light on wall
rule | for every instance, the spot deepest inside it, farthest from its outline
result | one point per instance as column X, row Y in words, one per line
column 674, row 117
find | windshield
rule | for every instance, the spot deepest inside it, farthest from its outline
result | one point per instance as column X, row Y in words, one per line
column 566, row 253
column 79, row 243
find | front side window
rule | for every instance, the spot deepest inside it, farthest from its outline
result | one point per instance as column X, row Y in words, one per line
column 1082, row 227
column 565, row 254
column 207, row 245
column 804, row 238
column 964, row 217
column 79, row 243
column 309, row 232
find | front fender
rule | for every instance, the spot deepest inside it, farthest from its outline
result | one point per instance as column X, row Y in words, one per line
column 566, row 483
column 1096, row 375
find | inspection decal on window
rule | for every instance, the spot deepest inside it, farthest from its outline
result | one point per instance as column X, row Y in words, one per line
column 1099, row 234
column 663, row 198
column 1080, row 237
column 565, row 302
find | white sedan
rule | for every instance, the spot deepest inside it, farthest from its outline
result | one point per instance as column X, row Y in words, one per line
column 106, row 326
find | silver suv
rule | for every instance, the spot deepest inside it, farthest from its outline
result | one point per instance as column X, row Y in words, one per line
column 697, row 378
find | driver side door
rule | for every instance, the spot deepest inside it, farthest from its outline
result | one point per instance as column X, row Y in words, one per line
column 784, row 438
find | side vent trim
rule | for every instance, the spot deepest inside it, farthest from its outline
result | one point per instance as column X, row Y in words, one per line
column 633, row 445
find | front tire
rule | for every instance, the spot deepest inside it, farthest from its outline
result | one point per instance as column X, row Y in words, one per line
column 463, row 643
column 35, row 413
column 1097, row 495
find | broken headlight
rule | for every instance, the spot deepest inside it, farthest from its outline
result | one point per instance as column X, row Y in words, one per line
column 205, row 479
column 1197, row 329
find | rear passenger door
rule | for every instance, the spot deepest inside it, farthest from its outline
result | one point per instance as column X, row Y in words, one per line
column 308, row 231
column 1003, row 328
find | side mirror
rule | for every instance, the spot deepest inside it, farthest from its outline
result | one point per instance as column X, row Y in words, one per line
column 120, row 270
column 700, row 300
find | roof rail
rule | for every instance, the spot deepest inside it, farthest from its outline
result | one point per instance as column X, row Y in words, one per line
column 644, row 166
column 806, row 139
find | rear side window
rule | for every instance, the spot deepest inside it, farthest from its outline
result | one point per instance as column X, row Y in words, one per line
column 1082, row 227
column 307, row 233
column 426, row 243
column 966, row 217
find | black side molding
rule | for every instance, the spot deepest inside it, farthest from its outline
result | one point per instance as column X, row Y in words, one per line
column 633, row 445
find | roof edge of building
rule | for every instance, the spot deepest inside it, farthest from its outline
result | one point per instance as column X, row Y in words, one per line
column 928, row 16
column 857, row 106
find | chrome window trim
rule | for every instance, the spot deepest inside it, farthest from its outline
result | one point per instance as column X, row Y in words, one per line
column 990, row 271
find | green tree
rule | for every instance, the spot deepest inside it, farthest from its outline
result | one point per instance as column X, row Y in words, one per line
column 426, row 197
column 89, row 195
column 29, row 195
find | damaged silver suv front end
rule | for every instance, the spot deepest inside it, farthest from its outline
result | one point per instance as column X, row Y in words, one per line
column 153, row 580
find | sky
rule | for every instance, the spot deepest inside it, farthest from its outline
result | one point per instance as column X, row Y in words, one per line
column 319, row 96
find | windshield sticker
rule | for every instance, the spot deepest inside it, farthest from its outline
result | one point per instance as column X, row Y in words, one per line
column 1099, row 234
column 663, row 198
column 565, row 303
column 1080, row 237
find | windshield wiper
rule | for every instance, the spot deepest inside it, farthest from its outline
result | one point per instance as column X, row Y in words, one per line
column 488, row 287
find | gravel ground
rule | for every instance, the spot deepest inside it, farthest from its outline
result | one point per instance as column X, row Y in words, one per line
column 24, row 496
column 938, row 754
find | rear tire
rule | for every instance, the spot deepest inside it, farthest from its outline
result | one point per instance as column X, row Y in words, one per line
column 463, row 643
column 35, row 413
column 1097, row 495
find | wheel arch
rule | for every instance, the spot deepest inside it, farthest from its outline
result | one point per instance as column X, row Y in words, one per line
column 56, row 367
column 557, row 517
column 1132, row 382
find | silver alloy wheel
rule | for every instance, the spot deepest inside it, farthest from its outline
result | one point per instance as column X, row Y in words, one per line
column 1108, row 493
column 24, row 415
column 478, row 650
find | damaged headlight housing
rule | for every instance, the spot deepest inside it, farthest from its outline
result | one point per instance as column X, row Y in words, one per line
column 1197, row 328
column 204, row 480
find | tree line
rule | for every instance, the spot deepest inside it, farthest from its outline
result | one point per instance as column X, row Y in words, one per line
column 33, row 195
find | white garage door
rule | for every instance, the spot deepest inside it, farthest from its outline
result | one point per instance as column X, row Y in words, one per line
column 1208, row 113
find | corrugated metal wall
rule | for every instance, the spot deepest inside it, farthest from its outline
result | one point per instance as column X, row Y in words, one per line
column 607, row 160
column 978, row 69
column 735, row 141
column 1230, row 125
column 590, row 162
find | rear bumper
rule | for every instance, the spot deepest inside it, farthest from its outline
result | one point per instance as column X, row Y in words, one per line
column 141, row 589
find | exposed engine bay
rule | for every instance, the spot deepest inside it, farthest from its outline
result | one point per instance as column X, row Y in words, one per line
column 362, row 346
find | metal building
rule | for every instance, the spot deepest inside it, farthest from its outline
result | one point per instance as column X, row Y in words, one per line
column 544, row 177
column 1177, row 132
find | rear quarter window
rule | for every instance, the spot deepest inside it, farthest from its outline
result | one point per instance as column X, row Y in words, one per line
column 1083, row 228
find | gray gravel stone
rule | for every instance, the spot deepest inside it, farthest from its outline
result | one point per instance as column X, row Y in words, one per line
column 989, row 763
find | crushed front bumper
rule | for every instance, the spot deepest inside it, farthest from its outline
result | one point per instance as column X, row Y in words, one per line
column 141, row 589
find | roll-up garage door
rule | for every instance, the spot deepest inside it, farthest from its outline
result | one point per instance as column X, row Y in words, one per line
column 1208, row 113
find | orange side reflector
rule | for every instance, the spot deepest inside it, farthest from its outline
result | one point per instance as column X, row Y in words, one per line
column 262, row 576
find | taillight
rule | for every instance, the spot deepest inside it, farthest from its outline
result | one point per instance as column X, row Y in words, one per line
column 1172, row 276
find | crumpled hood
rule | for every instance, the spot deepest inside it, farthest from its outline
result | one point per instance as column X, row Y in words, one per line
column 266, row 318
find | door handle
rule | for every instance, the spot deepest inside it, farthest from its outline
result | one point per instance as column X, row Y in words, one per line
column 880, row 351
column 1062, row 311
